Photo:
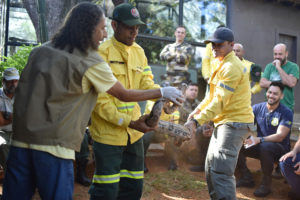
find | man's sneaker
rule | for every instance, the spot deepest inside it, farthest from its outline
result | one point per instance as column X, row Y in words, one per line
column 262, row 191
column 245, row 183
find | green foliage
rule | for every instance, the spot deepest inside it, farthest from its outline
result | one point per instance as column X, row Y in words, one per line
column 17, row 60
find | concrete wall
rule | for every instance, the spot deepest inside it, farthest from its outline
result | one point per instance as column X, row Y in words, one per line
column 257, row 25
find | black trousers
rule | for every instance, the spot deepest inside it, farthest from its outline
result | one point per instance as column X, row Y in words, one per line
column 267, row 152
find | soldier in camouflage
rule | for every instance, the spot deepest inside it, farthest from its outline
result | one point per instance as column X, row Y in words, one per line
column 194, row 150
column 178, row 56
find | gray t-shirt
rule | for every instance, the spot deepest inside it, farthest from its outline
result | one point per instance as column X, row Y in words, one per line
column 6, row 105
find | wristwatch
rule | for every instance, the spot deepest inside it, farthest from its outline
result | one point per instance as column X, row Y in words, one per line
column 262, row 139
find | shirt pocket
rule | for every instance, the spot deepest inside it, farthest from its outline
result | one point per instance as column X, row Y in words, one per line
column 137, row 73
column 119, row 72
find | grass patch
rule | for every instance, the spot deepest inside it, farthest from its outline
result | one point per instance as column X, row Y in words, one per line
column 171, row 181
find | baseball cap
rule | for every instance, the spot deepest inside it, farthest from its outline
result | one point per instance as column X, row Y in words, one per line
column 11, row 74
column 127, row 14
column 221, row 35
column 255, row 72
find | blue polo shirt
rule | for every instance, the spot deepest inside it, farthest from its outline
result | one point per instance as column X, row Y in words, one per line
column 268, row 122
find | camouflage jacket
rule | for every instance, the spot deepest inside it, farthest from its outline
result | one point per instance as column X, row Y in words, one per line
column 186, row 109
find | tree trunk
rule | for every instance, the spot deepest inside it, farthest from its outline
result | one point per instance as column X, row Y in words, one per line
column 56, row 10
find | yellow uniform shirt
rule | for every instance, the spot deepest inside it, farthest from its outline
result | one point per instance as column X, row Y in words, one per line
column 209, row 62
column 256, row 87
column 98, row 77
column 229, row 99
column 111, row 117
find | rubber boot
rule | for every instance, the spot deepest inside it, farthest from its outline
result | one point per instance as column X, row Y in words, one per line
column 265, row 187
column 246, row 179
column 81, row 177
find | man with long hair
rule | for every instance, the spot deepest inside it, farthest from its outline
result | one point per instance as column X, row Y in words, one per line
column 54, row 100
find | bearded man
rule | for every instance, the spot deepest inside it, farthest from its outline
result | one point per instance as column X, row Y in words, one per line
column 284, row 71
column 274, row 121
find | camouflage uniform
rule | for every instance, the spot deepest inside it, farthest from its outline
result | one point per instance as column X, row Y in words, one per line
column 194, row 150
column 178, row 57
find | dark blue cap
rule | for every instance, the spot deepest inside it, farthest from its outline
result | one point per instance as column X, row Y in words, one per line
column 221, row 35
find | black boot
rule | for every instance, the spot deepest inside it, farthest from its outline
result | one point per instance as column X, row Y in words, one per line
column 173, row 165
column 265, row 187
column 80, row 172
column 146, row 170
column 246, row 179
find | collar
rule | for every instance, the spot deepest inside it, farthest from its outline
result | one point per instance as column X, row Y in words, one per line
column 121, row 46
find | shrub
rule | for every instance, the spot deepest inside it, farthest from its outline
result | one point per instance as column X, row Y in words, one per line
column 17, row 60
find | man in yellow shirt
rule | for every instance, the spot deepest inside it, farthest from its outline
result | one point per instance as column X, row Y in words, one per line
column 228, row 105
column 117, row 147
column 253, row 76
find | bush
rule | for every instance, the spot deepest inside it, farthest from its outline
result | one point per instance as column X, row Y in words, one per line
column 18, row 60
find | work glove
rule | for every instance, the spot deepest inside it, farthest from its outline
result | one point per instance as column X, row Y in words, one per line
column 172, row 94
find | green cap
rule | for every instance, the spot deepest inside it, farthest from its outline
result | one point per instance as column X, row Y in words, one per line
column 127, row 14
column 255, row 72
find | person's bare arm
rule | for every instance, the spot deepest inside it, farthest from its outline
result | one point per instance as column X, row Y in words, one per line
column 5, row 120
column 287, row 79
column 124, row 94
column 118, row 91
column 282, row 132
column 264, row 83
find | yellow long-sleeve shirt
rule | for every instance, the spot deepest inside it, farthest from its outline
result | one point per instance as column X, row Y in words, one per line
column 229, row 99
column 209, row 62
column 256, row 87
column 111, row 117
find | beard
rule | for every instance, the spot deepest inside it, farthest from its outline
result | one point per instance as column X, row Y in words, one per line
column 282, row 61
column 9, row 90
column 273, row 102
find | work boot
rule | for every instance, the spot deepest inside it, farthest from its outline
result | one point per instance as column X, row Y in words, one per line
column 277, row 173
column 246, row 179
column 197, row 168
column 172, row 166
column 145, row 168
column 81, row 177
column 265, row 187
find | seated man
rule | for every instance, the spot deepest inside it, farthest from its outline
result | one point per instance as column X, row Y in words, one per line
column 274, row 121
column 290, row 168
column 194, row 150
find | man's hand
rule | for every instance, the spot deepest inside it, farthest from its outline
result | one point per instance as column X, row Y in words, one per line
column 191, row 125
column 292, row 154
column 140, row 125
column 208, row 129
column 277, row 63
column 252, row 141
column 297, row 168
column 173, row 94
column 195, row 112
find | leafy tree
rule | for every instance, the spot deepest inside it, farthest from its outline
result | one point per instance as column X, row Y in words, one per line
column 17, row 60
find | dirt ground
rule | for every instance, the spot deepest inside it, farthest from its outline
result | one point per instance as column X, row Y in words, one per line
column 158, row 164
